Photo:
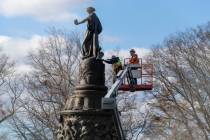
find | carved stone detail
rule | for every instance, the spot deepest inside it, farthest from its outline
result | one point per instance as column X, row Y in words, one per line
column 91, row 88
column 92, row 72
column 87, row 128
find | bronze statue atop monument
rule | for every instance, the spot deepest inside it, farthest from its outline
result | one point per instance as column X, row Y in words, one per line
column 90, row 46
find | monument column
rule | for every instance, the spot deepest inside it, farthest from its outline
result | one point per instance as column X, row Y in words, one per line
column 82, row 117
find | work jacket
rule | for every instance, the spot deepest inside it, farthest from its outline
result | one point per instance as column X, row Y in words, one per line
column 116, row 64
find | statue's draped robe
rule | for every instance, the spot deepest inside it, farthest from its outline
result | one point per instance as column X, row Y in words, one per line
column 90, row 45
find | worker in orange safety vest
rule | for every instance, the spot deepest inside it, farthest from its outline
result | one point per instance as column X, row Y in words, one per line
column 134, row 60
column 134, row 57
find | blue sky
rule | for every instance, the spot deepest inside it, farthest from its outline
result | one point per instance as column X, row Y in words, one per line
column 142, row 23
column 126, row 23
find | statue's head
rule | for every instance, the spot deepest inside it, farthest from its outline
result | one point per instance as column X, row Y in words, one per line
column 90, row 10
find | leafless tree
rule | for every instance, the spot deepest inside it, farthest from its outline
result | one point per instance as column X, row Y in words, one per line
column 134, row 115
column 52, row 79
column 182, row 92
column 7, row 96
column 4, row 136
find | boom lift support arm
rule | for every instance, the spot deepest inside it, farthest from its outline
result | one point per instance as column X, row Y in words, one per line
column 109, row 101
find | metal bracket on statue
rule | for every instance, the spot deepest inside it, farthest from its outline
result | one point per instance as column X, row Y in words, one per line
column 108, row 103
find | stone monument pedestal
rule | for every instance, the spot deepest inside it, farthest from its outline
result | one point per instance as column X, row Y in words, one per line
column 82, row 117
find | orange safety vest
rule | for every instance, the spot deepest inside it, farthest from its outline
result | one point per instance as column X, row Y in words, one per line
column 134, row 59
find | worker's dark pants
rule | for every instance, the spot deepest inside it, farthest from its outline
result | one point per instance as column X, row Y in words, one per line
column 134, row 79
column 114, row 78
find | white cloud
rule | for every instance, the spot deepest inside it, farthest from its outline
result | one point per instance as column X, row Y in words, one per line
column 23, row 68
column 18, row 48
column 44, row 10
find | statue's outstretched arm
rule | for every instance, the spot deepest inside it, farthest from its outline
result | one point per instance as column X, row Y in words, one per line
column 77, row 22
